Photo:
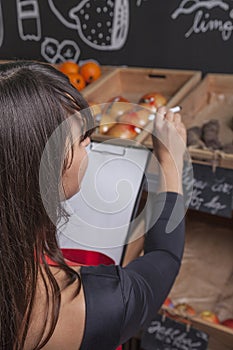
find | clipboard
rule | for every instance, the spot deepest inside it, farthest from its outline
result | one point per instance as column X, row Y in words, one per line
column 102, row 212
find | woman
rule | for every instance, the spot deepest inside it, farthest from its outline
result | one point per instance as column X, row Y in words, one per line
column 59, row 306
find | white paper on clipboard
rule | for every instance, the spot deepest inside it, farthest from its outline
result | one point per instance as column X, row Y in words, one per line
column 101, row 212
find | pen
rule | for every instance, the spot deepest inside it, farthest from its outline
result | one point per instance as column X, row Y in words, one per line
column 175, row 109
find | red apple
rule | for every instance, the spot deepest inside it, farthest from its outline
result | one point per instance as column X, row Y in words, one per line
column 118, row 99
column 185, row 308
column 148, row 106
column 153, row 100
column 106, row 122
column 136, row 116
column 115, row 109
column 130, row 117
column 116, row 106
column 209, row 316
column 124, row 131
column 168, row 302
column 228, row 322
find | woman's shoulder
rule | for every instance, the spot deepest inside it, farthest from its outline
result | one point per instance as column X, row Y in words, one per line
column 108, row 276
column 104, row 305
column 100, row 270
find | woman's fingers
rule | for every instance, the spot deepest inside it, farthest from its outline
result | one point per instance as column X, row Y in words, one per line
column 160, row 115
column 170, row 135
column 169, row 116
column 177, row 118
column 181, row 129
column 164, row 115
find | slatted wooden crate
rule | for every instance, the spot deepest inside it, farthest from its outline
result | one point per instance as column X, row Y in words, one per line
column 132, row 83
column 212, row 99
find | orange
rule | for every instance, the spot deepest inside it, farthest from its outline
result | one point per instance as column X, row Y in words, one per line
column 90, row 71
column 77, row 81
column 68, row 67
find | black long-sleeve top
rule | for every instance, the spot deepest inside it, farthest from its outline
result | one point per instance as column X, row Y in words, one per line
column 120, row 301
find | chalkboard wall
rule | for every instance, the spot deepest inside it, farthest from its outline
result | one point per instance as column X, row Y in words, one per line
column 178, row 34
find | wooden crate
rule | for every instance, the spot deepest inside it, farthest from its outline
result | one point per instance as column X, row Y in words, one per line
column 211, row 99
column 132, row 83
column 205, row 280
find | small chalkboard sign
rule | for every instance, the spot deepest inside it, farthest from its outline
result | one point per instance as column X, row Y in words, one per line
column 211, row 191
column 168, row 334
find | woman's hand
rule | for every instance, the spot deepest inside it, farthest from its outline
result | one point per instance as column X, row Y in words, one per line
column 169, row 141
column 170, row 137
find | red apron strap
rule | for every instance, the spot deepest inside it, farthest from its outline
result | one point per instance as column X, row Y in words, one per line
column 80, row 257
column 86, row 257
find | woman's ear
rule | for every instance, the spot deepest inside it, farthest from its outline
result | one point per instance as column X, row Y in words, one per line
column 86, row 142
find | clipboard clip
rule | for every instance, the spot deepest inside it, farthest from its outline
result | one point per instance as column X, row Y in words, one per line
column 120, row 154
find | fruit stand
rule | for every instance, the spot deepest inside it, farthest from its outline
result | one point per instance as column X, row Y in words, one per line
column 128, row 58
column 131, row 84
column 205, row 281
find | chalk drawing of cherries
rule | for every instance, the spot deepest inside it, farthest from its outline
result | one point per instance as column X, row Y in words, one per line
column 54, row 52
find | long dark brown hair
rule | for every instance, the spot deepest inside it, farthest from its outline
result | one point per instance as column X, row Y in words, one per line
column 35, row 99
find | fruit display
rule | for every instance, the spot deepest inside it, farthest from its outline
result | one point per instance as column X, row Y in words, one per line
column 118, row 99
column 116, row 109
column 80, row 75
column 90, row 71
column 107, row 121
column 153, row 100
column 77, row 81
column 185, row 308
column 210, row 134
column 69, row 67
column 184, row 312
column 194, row 137
column 124, row 131
column 168, row 302
column 207, row 137
column 228, row 323
column 129, row 116
column 137, row 116
column 209, row 316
